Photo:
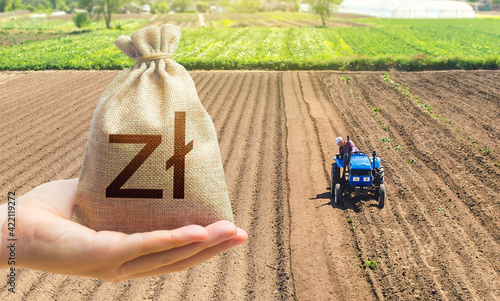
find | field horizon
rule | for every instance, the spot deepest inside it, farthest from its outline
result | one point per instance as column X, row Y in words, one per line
column 266, row 41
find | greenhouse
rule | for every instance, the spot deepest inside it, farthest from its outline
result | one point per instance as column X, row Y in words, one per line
column 408, row 8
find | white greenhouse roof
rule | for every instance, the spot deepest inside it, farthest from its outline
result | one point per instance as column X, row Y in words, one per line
column 408, row 8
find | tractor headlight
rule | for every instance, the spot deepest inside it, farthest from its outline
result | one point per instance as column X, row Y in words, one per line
column 355, row 179
column 366, row 179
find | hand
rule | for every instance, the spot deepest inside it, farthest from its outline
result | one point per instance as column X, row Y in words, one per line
column 48, row 240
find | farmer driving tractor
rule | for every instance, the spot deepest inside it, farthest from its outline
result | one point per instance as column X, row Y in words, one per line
column 355, row 171
column 343, row 146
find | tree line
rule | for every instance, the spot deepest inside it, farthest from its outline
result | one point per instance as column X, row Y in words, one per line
column 106, row 8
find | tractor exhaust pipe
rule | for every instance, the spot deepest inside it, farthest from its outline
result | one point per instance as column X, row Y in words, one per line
column 374, row 153
column 346, row 155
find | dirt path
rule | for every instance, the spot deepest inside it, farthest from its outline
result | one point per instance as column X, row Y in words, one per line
column 437, row 238
column 323, row 249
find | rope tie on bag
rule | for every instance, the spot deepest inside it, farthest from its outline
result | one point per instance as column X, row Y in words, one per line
column 154, row 56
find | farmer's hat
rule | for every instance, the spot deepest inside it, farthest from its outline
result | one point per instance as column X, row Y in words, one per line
column 338, row 140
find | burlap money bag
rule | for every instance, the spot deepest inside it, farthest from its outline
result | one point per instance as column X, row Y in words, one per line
column 152, row 160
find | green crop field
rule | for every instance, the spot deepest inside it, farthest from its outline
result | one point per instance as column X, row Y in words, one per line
column 379, row 44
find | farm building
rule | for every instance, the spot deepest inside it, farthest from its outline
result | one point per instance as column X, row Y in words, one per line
column 408, row 8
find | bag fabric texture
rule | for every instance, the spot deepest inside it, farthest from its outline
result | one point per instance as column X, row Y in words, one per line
column 152, row 159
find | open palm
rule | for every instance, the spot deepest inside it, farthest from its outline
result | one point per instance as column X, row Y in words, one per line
column 49, row 241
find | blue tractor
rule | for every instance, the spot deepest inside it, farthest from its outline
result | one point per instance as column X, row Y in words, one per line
column 360, row 174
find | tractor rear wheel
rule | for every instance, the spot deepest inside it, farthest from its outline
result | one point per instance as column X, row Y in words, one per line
column 335, row 178
column 338, row 194
column 379, row 176
column 381, row 196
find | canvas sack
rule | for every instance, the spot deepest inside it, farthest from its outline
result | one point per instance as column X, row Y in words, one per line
column 152, row 160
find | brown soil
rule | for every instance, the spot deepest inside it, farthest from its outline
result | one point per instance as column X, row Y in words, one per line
column 181, row 20
column 17, row 37
column 113, row 17
column 436, row 239
column 262, row 20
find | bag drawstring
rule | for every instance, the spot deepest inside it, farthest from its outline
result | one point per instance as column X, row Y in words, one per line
column 154, row 56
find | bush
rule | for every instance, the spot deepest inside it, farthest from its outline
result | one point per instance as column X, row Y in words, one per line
column 161, row 8
column 182, row 5
column 244, row 6
column 202, row 6
column 81, row 19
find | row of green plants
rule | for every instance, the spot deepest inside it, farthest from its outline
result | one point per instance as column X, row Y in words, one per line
column 36, row 25
column 427, row 109
column 408, row 46
column 365, row 262
column 269, row 18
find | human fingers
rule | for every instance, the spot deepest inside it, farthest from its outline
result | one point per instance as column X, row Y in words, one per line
column 100, row 254
column 217, row 233
column 139, row 244
column 196, row 259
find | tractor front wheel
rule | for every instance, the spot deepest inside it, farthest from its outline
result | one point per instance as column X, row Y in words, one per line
column 379, row 175
column 338, row 194
column 335, row 178
column 381, row 196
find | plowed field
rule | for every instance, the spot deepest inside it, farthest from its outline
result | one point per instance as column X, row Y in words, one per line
column 277, row 20
column 437, row 238
column 181, row 20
